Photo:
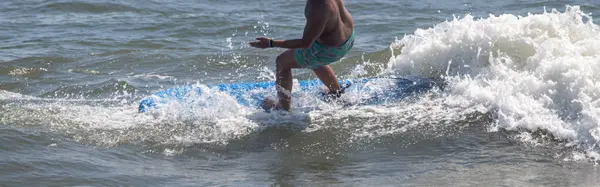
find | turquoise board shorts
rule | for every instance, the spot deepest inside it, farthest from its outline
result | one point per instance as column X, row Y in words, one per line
column 320, row 55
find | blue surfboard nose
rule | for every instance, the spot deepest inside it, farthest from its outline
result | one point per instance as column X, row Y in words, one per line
column 146, row 104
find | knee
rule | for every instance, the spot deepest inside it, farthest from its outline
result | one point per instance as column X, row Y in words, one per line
column 285, row 61
column 280, row 63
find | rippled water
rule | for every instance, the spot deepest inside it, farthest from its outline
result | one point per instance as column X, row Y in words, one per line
column 520, row 107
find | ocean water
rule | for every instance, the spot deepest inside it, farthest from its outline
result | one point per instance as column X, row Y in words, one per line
column 520, row 105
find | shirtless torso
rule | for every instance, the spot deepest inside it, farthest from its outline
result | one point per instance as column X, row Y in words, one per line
column 339, row 25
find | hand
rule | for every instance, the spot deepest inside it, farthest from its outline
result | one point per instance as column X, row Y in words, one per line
column 262, row 42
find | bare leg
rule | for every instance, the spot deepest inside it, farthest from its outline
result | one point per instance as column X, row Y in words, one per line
column 327, row 76
column 285, row 62
column 284, row 80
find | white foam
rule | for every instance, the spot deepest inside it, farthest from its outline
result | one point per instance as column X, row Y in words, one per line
column 153, row 76
column 6, row 95
column 534, row 72
column 211, row 118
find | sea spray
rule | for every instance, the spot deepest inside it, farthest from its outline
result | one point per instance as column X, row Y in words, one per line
column 534, row 72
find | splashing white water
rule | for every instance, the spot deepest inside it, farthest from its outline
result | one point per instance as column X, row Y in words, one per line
column 533, row 72
column 538, row 72
column 219, row 120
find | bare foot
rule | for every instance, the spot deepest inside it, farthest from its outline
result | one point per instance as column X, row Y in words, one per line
column 270, row 104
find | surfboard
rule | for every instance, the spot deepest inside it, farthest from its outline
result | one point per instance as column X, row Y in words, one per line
column 363, row 91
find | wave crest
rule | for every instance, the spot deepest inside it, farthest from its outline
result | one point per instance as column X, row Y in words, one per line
column 537, row 72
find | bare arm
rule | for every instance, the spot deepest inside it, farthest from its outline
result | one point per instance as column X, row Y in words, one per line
column 315, row 24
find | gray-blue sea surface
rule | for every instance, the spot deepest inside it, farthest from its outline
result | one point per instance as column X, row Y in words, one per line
column 520, row 107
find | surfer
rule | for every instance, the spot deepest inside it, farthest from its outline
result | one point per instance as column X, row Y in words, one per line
column 328, row 35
